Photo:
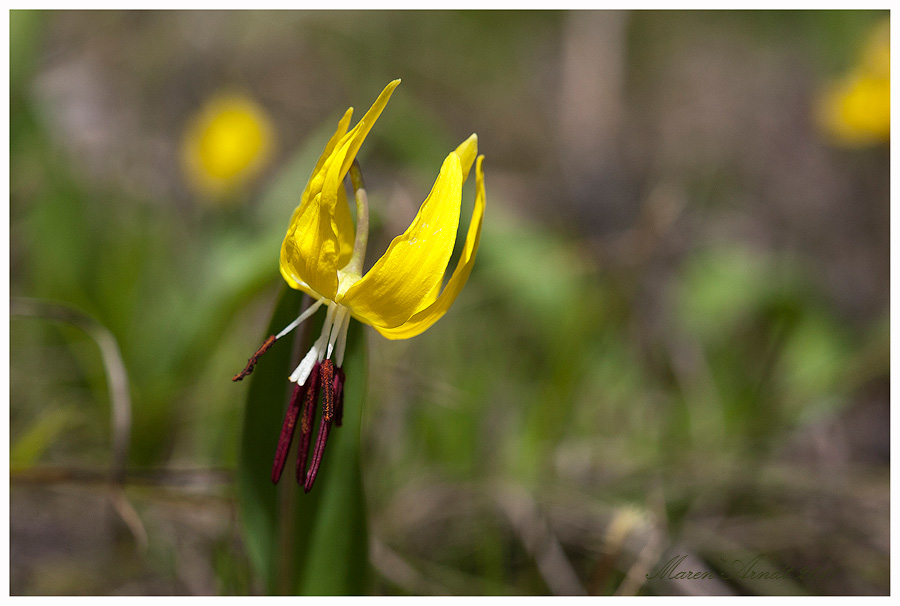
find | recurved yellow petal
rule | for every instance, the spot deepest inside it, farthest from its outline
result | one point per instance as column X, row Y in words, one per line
column 423, row 319
column 334, row 196
column 292, row 280
column 343, row 125
column 342, row 223
column 467, row 151
column 415, row 261
column 432, row 295
column 365, row 124
column 327, row 179
column 312, row 249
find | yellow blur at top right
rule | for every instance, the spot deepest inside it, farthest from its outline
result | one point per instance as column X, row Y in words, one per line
column 855, row 111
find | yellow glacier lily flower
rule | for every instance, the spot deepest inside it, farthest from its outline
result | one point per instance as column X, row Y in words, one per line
column 855, row 111
column 226, row 144
column 400, row 296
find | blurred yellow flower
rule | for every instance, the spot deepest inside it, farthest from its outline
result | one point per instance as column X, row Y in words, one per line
column 226, row 144
column 855, row 111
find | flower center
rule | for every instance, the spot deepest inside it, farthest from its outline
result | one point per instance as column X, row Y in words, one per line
column 332, row 341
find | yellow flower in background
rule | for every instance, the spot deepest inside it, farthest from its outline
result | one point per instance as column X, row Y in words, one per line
column 226, row 144
column 856, row 110
column 400, row 296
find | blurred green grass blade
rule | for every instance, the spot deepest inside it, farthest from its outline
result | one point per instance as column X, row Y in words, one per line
column 26, row 28
column 27, row 448
column 314, row 543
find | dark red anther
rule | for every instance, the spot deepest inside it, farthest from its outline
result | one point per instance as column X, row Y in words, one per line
column 326, row 381
column 338, row 395
column 324, row 429
column 330, row 380
column 327, row 390
column 254, row 359
column 287, row 432
column 306, row 421
column 325, row 376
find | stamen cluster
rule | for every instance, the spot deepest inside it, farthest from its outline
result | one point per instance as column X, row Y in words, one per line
column 328, row 380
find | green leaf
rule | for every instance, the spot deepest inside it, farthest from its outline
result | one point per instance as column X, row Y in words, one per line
column 314, row 543
column 28, row 447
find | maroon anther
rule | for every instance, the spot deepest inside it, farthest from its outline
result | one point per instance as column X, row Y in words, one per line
column 287, row 432
column 306, row 423
column 338, row 395
column 327, row 370
column 330, row 380
column 326, row 380
column 324, row 430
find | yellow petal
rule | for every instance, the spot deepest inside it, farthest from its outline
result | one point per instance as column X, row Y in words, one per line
column 293, row 280
column 342, row 222
column 310, row 252
column 365, row 124
column 432, row 296
column 423, row 319
column 415, row 261
column 343, row 125
column 343, row 226
column 311, row 249
column 321, row 234
column 334, row 197
column 467, row 151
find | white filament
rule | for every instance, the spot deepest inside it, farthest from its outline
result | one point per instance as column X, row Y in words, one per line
column 339, row 321
column 305, row 315
column 342, row 342
column 315, row 354
column 305, row 367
